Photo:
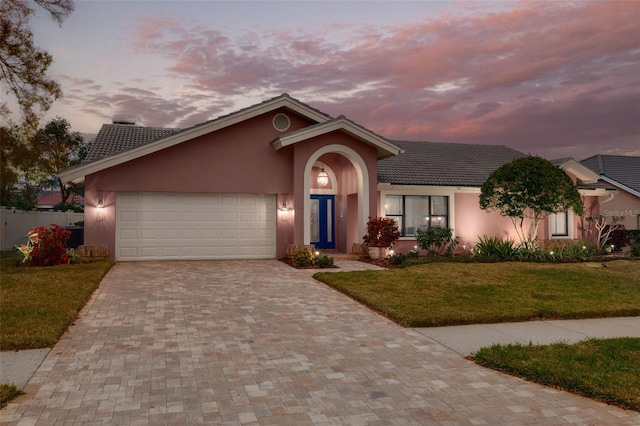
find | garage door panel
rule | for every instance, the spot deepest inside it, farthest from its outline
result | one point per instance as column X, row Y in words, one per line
column 195, row 226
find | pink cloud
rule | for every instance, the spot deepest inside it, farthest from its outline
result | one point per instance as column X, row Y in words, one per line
column 531, row 75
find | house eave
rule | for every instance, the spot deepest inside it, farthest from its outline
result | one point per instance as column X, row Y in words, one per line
column 580, row 171
column 620, row 186
column 77, row 174
column 383, row 146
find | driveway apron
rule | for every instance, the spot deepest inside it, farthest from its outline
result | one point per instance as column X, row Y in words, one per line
column 258, row 342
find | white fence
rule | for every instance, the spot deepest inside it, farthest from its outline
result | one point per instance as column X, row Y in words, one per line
column 14, row 224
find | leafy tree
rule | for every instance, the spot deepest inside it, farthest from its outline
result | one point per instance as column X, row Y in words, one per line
column 529, row 188
column 17, row 161
column 23, row 65
column 28, row 165
column 57, row 148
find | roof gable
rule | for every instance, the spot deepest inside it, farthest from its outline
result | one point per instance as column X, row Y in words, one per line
column 383, row 146
column 76, row 174
column 577, row 169
column 619, row 170
column 444, row 164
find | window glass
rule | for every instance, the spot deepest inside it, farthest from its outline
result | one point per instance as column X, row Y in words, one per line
column 559, row 224
column 439, row 206
column 439, row 221
column 393, row 204
column 417, row 212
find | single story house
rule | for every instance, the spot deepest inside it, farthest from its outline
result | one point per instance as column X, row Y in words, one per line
column 251, row 183
column 623, row 174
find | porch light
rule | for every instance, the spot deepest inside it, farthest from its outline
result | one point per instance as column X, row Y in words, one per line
column 323, row 177
column 284, row 207
column 100, row 205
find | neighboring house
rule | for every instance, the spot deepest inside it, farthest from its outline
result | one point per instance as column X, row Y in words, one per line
column 49, row 199
column 623, row 174
column 248, row 184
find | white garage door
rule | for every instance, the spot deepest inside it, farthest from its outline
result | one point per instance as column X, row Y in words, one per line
column 153, row 226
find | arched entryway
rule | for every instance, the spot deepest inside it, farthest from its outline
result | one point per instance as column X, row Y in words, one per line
column 361, row 200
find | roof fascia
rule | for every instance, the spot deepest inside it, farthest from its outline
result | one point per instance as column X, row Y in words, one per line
column 619, row 185
column 582, row 172
column 77, row 174
column 383, row 146
column 385, row 186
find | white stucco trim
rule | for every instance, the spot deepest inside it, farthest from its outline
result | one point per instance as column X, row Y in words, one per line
column 383, row 146
column 362, row 178
column 579, row 170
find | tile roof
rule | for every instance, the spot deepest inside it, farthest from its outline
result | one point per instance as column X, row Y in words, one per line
column 444, row 164
column 52, row 198
column 622, row 169
column 114, row 138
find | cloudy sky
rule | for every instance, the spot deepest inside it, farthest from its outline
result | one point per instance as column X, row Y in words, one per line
column 550, row 78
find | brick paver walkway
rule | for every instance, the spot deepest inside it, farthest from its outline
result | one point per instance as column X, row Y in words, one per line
column 258, row 342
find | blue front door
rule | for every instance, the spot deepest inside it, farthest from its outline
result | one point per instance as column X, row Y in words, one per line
column 322, row 229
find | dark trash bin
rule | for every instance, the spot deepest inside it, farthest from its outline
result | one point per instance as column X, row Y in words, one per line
column 77, row 236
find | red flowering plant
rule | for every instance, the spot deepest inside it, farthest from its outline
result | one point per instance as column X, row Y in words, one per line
column 381, row 232
column 46, row 247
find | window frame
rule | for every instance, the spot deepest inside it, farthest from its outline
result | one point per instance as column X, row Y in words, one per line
column 402, row 217
column 570, row 225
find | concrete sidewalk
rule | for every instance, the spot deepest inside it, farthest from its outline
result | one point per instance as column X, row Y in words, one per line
column 467, row 339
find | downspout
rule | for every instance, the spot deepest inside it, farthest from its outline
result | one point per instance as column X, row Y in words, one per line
column 610, row 197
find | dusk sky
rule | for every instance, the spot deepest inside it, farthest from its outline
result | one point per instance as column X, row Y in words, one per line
column 556, row 78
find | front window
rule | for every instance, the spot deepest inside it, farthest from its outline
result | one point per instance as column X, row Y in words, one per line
column 559, row 223
column 414, row 212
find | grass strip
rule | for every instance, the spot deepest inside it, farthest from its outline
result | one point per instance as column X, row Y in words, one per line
column 604, row 369
column 440, row 294
column 39, row 303
column 7, row 393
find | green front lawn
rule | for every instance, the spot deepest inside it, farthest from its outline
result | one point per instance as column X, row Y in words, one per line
column 39, row 303
column 439, row 294
column 607, row 370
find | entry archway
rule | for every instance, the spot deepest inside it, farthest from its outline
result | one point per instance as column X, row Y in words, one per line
column 362, row 184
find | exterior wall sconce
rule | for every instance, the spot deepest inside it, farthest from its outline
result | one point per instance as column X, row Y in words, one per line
column 323, row 177
column 284, row 208
column 100, row 208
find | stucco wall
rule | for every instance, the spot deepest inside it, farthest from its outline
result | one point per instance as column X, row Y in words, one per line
column 237, row 159
column 624, row 206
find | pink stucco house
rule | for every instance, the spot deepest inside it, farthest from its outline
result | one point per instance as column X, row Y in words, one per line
column 248, row 184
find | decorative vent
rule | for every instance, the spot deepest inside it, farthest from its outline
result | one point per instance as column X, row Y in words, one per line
column 281, row 122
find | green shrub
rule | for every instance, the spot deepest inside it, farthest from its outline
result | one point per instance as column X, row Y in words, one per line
column 437, row 241
column 495, row 247
column 400, row 258
column 324, row 261
column 634, row 250
column 634, row 235
column 302, row 257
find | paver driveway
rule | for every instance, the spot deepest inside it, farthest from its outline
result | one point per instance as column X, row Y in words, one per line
column 259, row 342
